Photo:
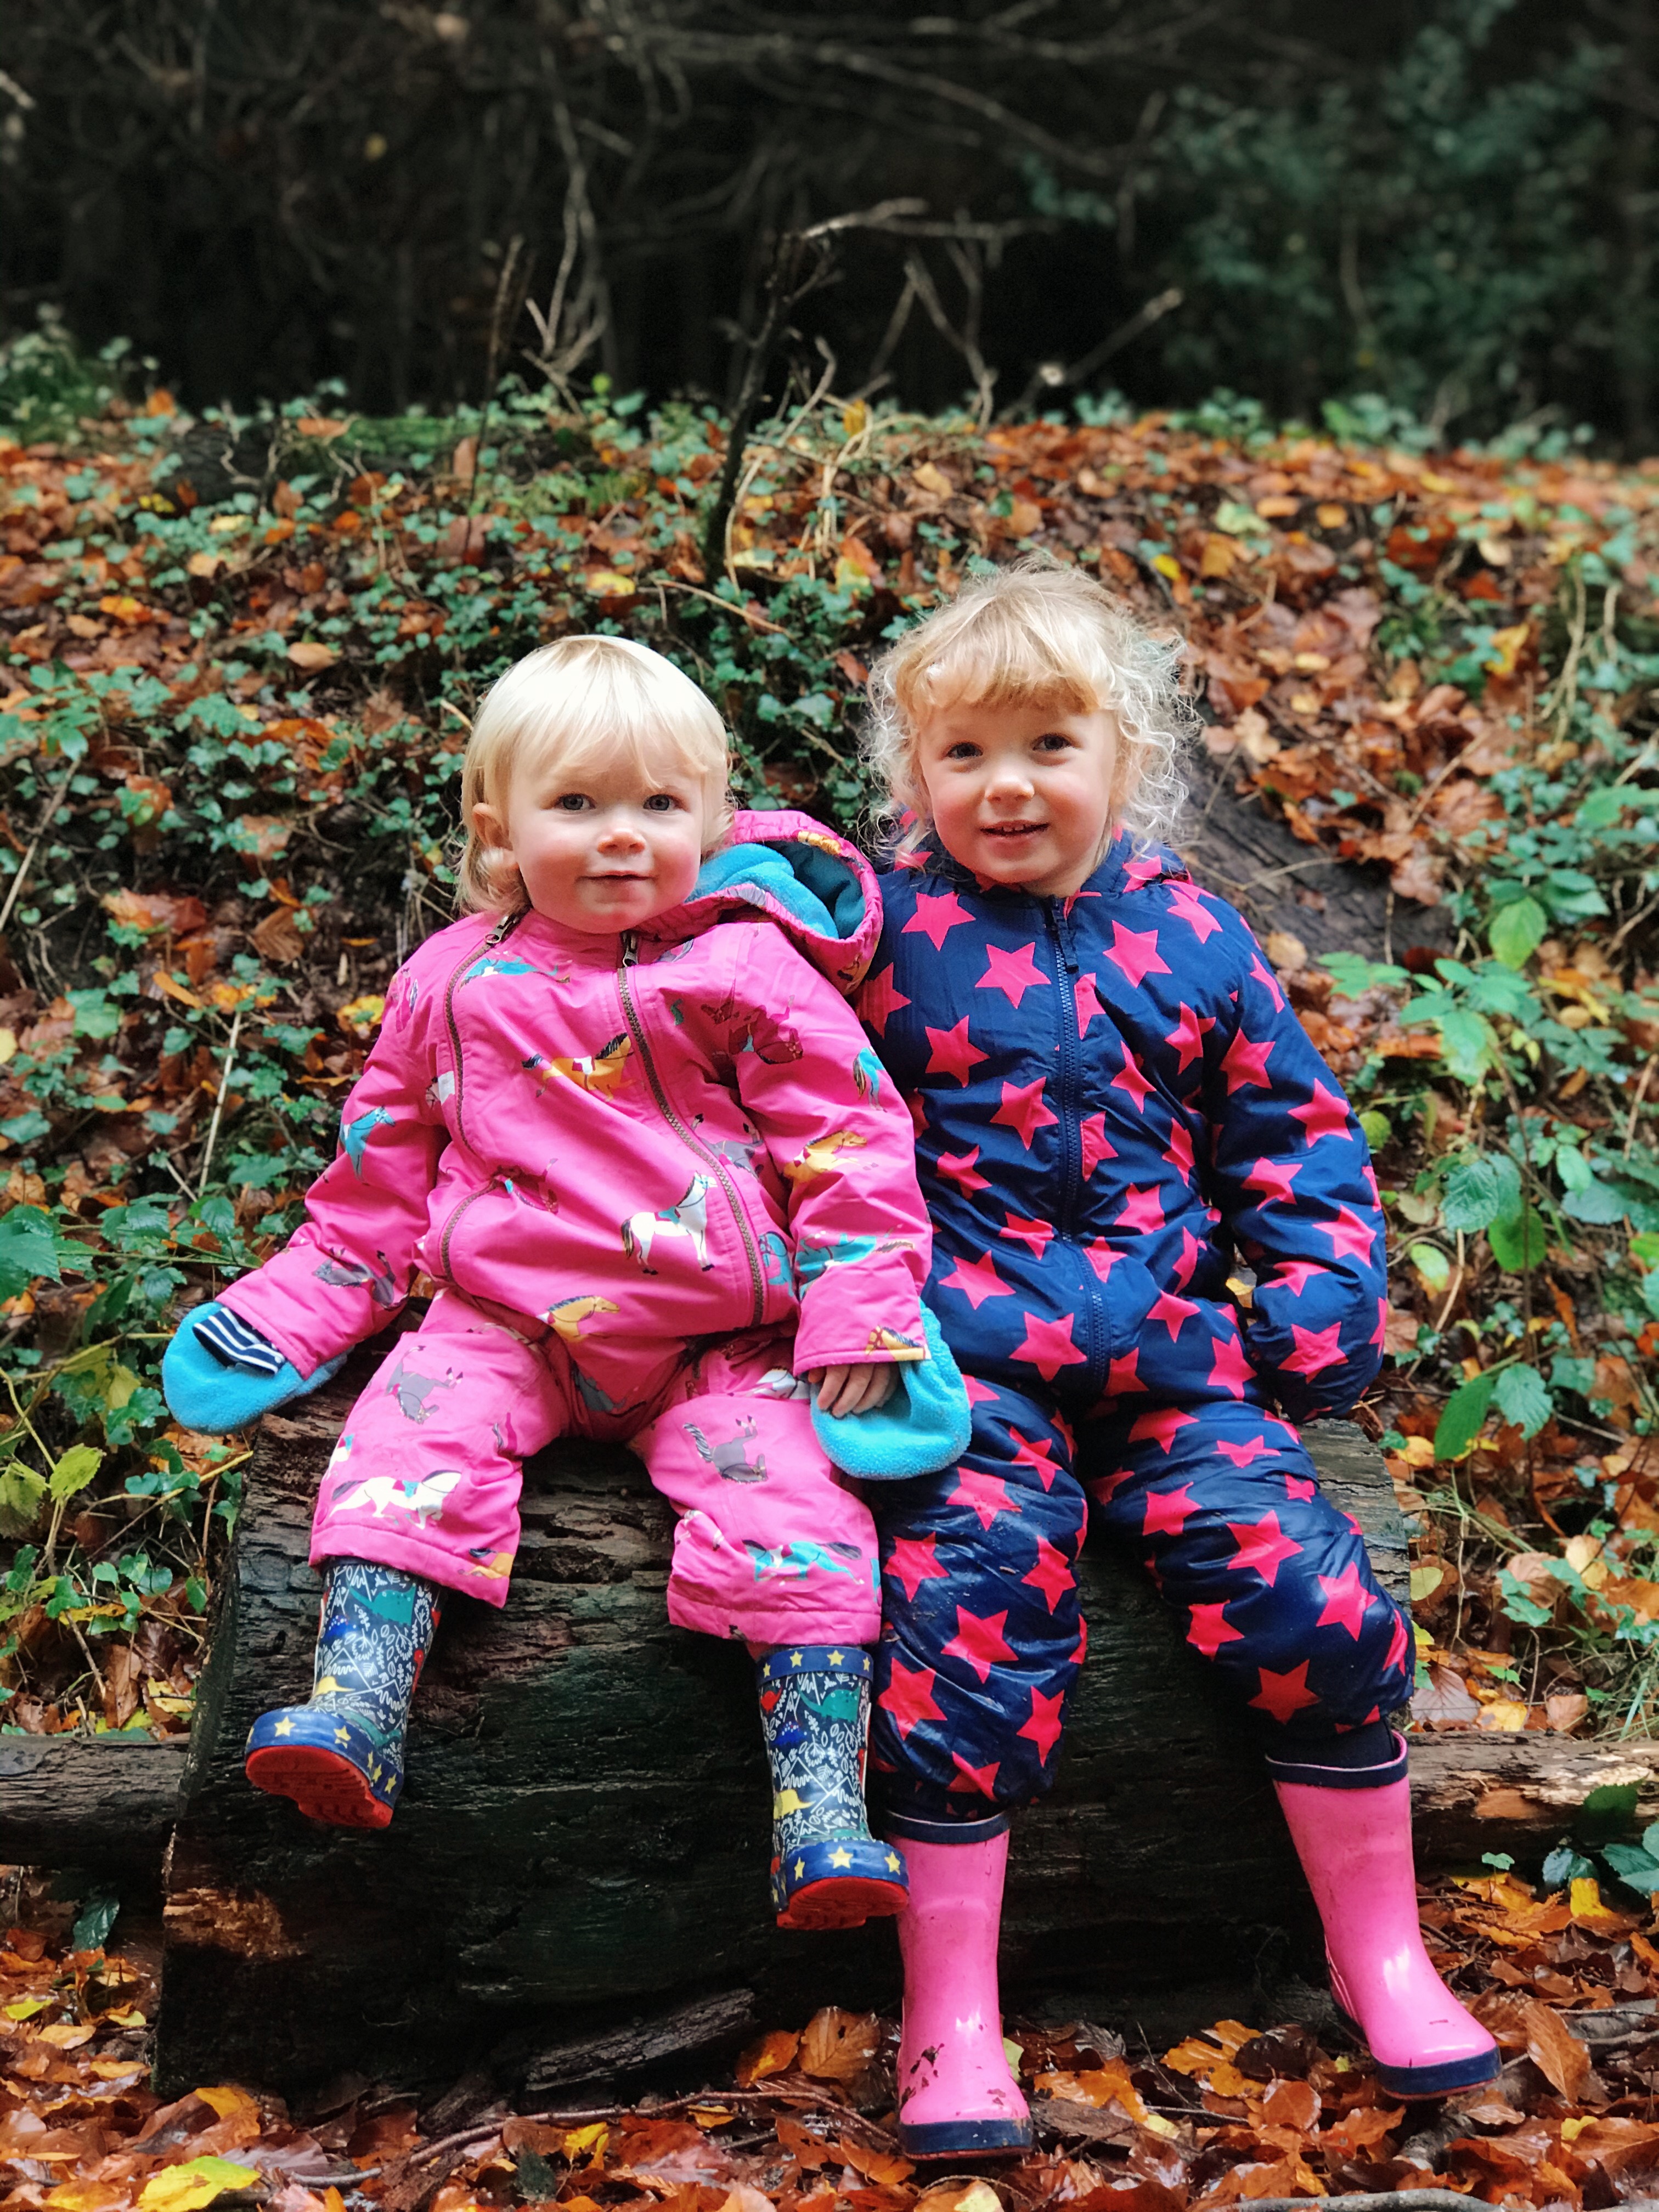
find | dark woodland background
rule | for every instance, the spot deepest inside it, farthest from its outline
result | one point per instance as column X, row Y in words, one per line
column 1449, row 203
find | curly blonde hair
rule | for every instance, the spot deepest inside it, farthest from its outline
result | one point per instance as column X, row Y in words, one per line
column 583, row 700
column 1036, row 633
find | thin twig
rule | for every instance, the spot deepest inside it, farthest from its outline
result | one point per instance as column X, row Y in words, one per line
column 33, row 846
column 219, row 1102
column 726, row 606
column 1636, row 1104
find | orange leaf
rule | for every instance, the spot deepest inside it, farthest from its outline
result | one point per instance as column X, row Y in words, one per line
column 1557, row 2053
column 838, row 2046
column 772, row 2054
column 312, row 654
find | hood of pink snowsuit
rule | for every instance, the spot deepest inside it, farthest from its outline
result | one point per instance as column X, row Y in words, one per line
column 683, row 1133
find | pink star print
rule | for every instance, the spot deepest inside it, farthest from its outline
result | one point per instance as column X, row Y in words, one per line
column 1191, row 1253
column 1051, row 1574
column 935, row 917
column 1380, row 1334
column 980, row 1643
column 959, row 1166
column 1102, row 1257
column 908, row 1697
column 1143, row 870
column 878, row 1001
column 1143, row 1211
column 1210, row 1628
column 1160, row 1427
column 1350, row 1238
column 1179, row 1151
column 1345, row 1602
column 1281, row 1695
column 1124, row 1375
column 1242, row 1454
column 1397, row 1644
column 1130, row 1080
column 1299, row 1490
column 1045, row 1724
column 1174, row 1312
column 1273, row 1179
column 985, row 1495
column 1168, row 1511
column 1325, row 1115
column 1023, row 1110
column 1187, row 1037
column 1034, row 1235
column 1261, row 1545
column 1013, row 973
column 1134, row 953
column 1316, row 1349
column 1039, row 1455
column 1231, row 1372
column 981, row 1778
column 1184, row 906
column 977, row 1280
column 978, row 1393
column 1049, row 1345
column 1268, row 981
column 952, row 1053
column 1087, row 1001
column 1094, row 1146
column 1295, row 1275
column 911, row 1563
column 1245, row 1062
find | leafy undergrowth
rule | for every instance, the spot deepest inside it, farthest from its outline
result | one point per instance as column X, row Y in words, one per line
column 1231, row 2113
column 236, row 665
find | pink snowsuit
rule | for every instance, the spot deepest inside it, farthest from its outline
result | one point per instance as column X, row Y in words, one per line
column 657, row 1177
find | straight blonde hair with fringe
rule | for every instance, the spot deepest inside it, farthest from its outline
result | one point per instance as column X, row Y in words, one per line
column 1039, row 634
column 580, row 703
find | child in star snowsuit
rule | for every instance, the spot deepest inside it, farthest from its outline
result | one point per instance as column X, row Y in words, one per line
column 1116, row 1106
column 622, row 1116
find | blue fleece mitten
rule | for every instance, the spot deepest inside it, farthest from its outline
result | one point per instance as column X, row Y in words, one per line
column 925, row 1425
column 218, row 1373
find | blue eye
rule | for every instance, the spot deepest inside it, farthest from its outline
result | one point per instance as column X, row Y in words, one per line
column 570, row 802
column 661, row 802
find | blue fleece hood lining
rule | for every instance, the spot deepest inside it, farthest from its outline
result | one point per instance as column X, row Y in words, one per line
column 814, row 888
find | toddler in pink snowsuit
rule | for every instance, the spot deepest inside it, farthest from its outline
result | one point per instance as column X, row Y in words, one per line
column 623, row 1117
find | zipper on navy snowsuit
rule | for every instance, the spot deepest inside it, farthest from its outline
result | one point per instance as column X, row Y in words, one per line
column 1065, row 964
column 630, row 953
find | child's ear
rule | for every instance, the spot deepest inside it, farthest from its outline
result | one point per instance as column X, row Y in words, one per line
column 490, row 829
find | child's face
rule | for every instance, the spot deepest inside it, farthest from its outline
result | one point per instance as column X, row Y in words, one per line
column 602, row 850
column 1020, row 795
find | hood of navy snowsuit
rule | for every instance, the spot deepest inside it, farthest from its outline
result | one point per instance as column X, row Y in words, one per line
column 1114, row 1102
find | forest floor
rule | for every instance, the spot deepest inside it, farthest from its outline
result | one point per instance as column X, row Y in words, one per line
column 237, row 662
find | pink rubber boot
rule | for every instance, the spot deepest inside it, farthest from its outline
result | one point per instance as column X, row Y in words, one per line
column 957, row 2095
column 1355, row 1846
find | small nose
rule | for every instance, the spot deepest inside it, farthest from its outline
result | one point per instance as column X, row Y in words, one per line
column 1009, row 781
column 621, row 833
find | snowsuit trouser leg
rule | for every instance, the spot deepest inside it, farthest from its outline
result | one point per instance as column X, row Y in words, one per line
column 982, row 1637
column 1223, row 1506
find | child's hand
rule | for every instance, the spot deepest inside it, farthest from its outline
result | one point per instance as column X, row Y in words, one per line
column 856, row 1389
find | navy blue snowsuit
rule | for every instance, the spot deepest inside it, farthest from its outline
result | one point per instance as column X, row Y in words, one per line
column 1114, row 1104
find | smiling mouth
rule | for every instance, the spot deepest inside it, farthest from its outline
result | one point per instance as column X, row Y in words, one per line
column 1014, row 830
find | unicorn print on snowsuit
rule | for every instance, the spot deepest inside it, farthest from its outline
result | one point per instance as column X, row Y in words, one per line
column 674, row 980
column 1158, row 1250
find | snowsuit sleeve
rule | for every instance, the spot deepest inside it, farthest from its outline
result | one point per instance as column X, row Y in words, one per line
column 839, row 1135
column 348, row 1267
column 1291, row 1175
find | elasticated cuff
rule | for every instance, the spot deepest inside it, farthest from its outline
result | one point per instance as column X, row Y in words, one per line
column 908, row 1828
column 1311, row 1774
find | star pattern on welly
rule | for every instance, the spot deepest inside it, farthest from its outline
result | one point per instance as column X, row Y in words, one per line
column 1168, row 1511
column 1230, row 1371
column 1316, row 1349
column 877, row 1001
column 1244, row 1063
column 1013, row 974
column 1273, row 1178
column 935, row 917
column 1347, row 1601
column 1263, row 1546
column 1023, row 1110
column 1350, row 1238
column 911, row 1563
column 1210, row 1628
column 960, row 1167
column 1325, row 1115
column 983, row 1493
column 1046, row 1723
column 1047, row 1345
column 978, row 1641
column 1188, row 1036
column 1134, row 953
column 1034, row 1236
column 1052, row 1574
column 908, row 1697
column 1282, row 1695
column 977, row 1280
column 950, row 1052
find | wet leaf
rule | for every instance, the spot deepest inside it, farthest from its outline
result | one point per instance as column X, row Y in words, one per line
column 186, row 2188
column 838, row 2046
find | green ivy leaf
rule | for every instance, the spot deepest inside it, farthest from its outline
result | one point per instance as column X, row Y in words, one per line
column 1465, row 1410
column 1523, row 1398
column 1515, row 932
column 1518, row 1242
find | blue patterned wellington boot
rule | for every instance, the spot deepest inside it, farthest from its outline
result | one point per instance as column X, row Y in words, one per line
column 828, row 1870
column 340, row 1757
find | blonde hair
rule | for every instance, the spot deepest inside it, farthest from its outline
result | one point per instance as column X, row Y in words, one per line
column 583, row 700
column 1036, row 633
